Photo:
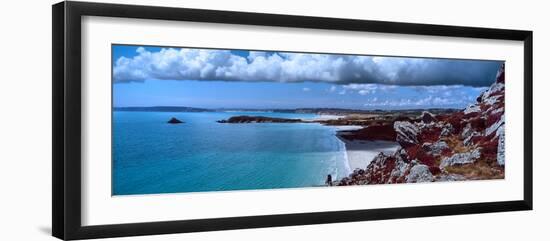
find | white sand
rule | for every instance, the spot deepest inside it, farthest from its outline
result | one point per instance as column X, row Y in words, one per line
column 347, row 128
column 361, row 153
column 326, row 117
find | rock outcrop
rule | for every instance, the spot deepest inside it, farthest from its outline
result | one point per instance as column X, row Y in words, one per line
column 174, row 120
column 419, row 173
column 460, row 158
column 428, row 117
column 407, row 133
column 437, row 148
column 464, row 145
column 500, row 148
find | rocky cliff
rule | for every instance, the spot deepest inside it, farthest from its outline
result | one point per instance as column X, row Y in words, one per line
column 466, row 145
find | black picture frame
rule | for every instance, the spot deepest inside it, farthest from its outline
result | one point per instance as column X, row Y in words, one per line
column 66, row 158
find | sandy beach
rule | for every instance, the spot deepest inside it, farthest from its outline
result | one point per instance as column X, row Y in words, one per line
column 360, row 153
column 325, row 117
column 347, row 128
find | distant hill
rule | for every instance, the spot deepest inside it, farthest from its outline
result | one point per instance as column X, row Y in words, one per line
column 162, row 109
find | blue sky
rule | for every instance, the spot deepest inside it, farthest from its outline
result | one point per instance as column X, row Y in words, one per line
column 154, row 76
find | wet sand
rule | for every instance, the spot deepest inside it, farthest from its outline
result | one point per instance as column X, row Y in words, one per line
column 360, row 153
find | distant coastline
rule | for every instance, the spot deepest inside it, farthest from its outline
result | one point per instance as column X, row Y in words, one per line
column 340, row 112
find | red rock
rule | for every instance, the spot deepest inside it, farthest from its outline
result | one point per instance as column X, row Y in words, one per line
column 375, row 132
column 429, row 135
column 427, row 117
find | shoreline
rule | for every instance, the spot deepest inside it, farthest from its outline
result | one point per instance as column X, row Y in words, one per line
column 360, row 153
column 324, row 117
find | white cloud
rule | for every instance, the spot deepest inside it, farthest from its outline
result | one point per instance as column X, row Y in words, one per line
column 421, row 102
column 362, row 89
column 208, row 64
column 252, row 55
column 305, row 89
column 365, row 89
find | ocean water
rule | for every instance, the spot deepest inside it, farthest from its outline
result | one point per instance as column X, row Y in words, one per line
column 151, row 156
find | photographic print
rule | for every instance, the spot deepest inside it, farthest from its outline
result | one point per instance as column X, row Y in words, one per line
column 156, row 120
column 188, row 119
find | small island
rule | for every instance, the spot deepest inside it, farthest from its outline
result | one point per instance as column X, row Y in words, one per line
column 174, row 120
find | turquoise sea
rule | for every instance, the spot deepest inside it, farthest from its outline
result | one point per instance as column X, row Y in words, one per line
column 151, row 156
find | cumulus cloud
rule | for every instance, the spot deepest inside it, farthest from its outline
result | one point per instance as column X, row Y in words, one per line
column 421, row 96
column 419, row 102
column 207, row 64
column 365, row 89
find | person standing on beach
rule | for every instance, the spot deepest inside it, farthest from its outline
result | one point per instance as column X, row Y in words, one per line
column 329, row 180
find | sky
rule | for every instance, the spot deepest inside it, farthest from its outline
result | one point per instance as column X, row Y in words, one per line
column 213, row 78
